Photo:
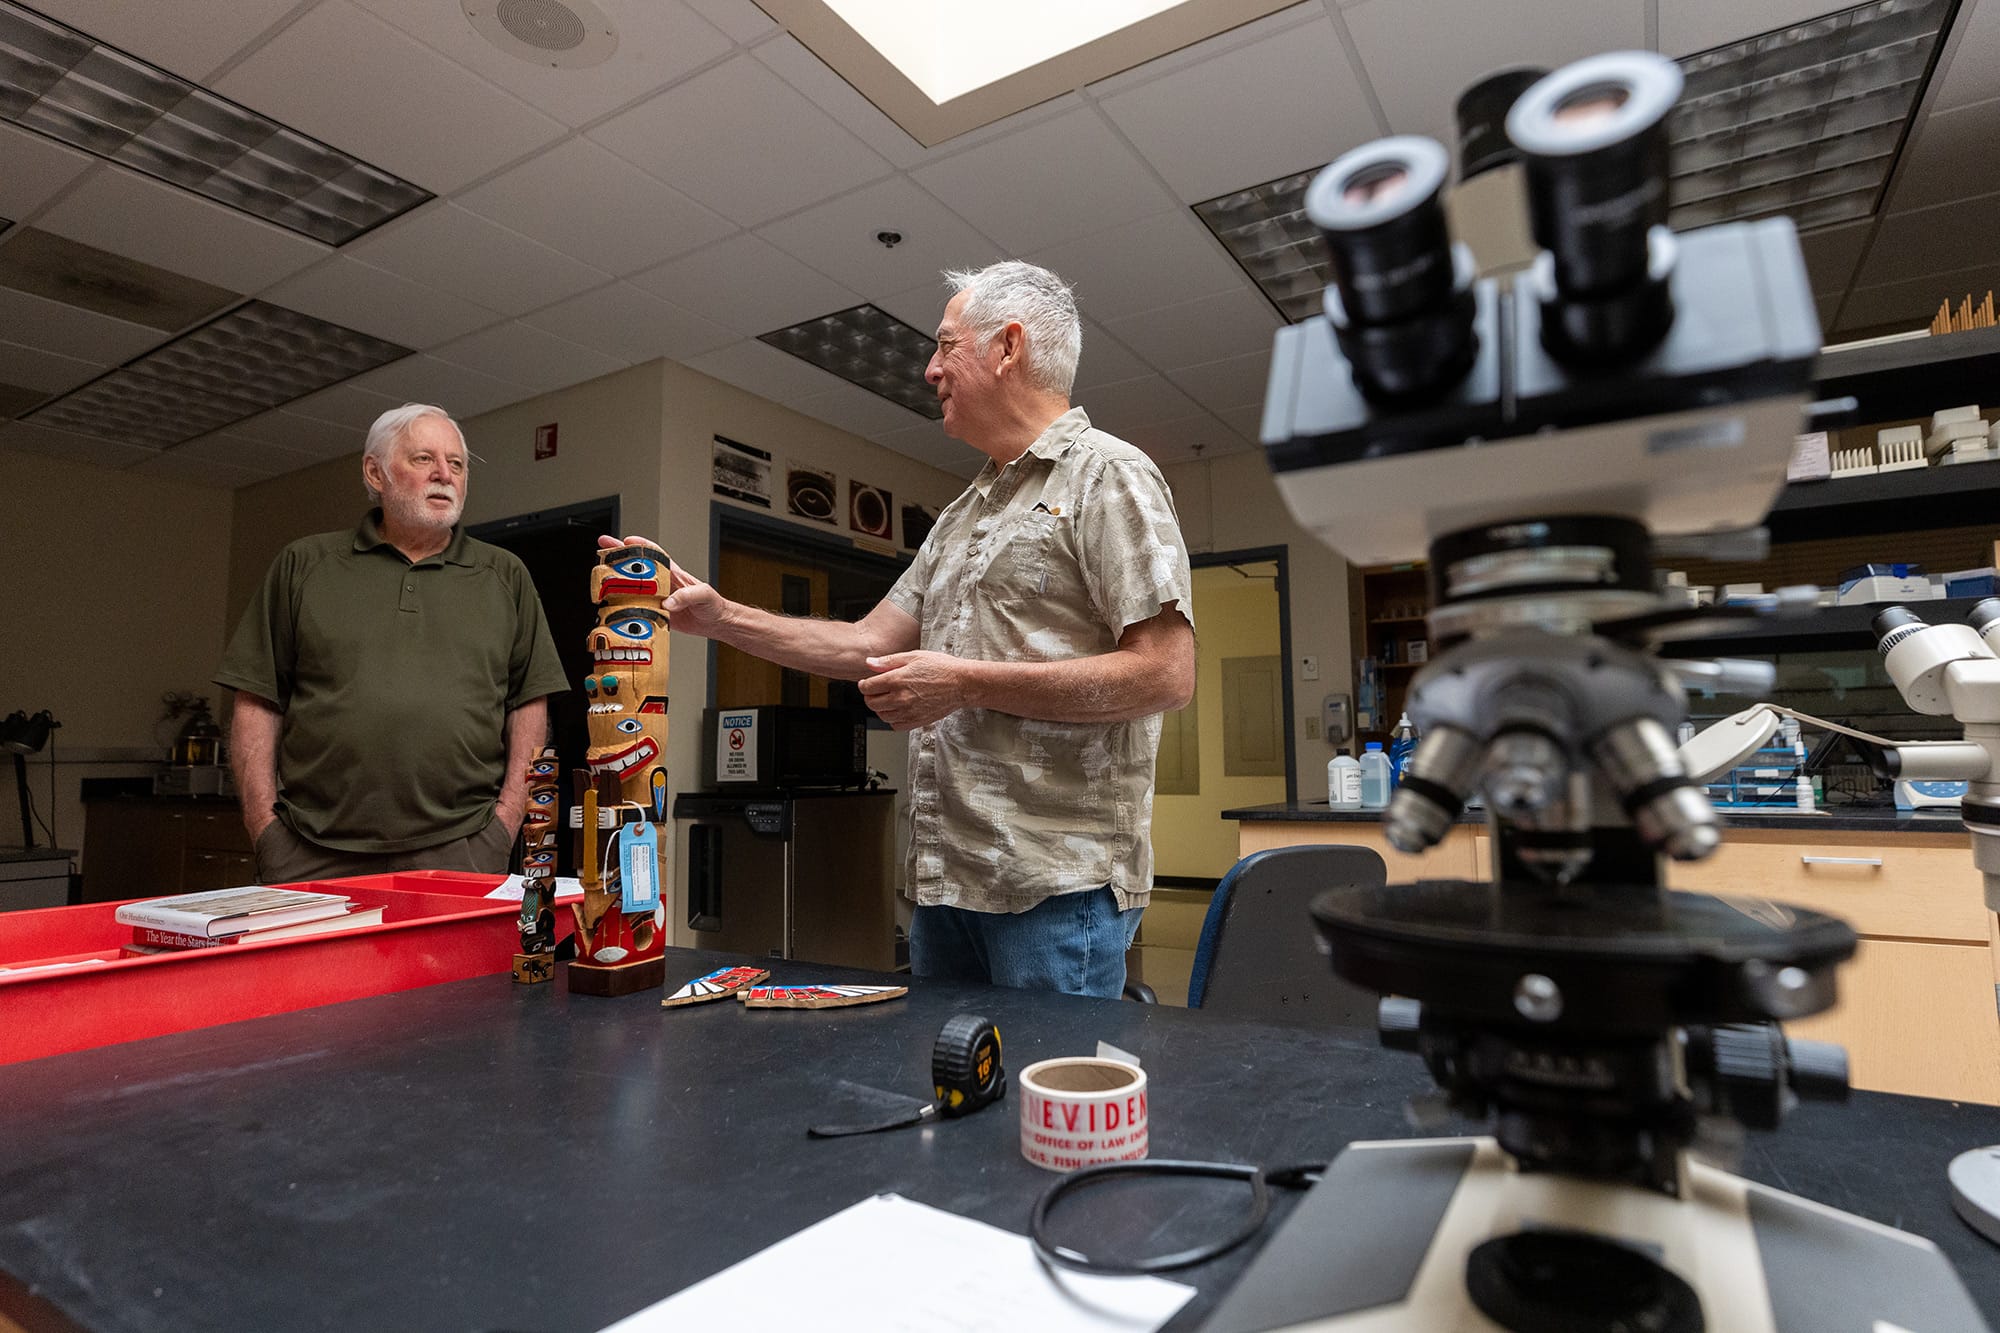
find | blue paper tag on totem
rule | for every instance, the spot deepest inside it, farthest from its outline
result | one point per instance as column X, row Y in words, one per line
column 639, row 867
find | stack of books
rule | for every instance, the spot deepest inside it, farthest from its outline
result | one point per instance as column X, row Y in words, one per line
column 238, row 916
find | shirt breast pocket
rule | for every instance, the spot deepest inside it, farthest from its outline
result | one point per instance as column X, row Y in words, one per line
column 1020, row 569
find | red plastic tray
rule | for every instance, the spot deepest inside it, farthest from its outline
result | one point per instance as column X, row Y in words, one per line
column 437, row 925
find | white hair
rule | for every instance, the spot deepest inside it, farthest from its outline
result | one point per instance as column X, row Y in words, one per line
column 391, row 426
column 1042, row 303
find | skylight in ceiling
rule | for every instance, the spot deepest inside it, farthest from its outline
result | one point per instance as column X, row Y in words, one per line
column 71, row 87
column 870, row 348
column 948, row 50
column 254, row 358
column 1804, row 121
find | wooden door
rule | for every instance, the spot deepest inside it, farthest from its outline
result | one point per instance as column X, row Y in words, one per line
column 786, row 587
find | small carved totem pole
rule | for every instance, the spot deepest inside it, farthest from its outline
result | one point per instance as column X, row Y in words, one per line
column 536, row 961
column 626, row 841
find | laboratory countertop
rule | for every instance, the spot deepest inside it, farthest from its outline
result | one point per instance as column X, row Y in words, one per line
column 1866, row 819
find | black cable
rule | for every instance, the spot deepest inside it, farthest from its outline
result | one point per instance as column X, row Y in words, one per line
column 1059, row 1256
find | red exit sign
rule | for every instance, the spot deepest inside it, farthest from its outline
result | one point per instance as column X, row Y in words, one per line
column 545, row 441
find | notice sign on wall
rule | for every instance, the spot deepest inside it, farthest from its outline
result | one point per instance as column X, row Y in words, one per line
column 545, row 441
column 736, row 748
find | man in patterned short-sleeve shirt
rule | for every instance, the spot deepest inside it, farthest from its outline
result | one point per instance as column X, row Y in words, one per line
column 1030, row 650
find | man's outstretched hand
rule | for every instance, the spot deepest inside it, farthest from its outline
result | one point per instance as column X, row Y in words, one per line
column 694, row 606
column 911, row 690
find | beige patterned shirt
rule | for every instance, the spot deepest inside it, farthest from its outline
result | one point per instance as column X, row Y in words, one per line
column 1049, row 558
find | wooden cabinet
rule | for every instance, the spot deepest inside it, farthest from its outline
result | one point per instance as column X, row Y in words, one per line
column 146, row 846
column 1917, row 1009
column 1387, row 610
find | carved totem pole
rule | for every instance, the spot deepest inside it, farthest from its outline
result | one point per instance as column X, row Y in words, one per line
column 626, row 840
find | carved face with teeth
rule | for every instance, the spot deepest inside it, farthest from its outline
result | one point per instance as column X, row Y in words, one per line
column 627, row 694
column 628, row 571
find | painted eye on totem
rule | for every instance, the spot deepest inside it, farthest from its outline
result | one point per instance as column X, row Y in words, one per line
column 637, row 568
column 632, row 628
column 541, row 798
column 541, row 768
column 631, row 725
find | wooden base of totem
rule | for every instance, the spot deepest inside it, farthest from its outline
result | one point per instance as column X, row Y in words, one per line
column 618, row 978
column 533, row 968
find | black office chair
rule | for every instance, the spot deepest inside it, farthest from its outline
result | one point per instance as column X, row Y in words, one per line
column 1259, row 954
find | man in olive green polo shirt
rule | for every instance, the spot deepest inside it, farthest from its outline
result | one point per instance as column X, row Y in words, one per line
column 1029, row 651
column 391, row 681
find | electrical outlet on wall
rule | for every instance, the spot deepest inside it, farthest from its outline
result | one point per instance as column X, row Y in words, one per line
column 1312, row 727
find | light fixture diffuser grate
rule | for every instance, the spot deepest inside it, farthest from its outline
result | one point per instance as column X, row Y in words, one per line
column 870, row 348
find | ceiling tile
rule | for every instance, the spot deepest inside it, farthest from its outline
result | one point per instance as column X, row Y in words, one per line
column 1688, row 26
column 1175, row 441
column 747, row 284
column 173, row 36
column 595, row 206
column 344, row 76
column 528, row 357
column 477, row 260
column 1247, row 421
column 175, row 465
column 62, row 444
column 70, row 331
column 1050, row 182
column 1930, row 240
column 129, row 214
column 318, row 440
column 919, row 441
column 857, row 411
column 1950, row 156
column 265, row 460
column 1143, row 266
column 792, row 62
column 1236, row 382
column 1191, row 333
column 49, row 372
column 1222, row 43
column 1911, row 303
column 1417, row 77
column 658, row 41
column 741, row 20
column 1286, row 104
column 119, row 287
column 1973, row 72
column 765, row 371
column 32, row 169
column 838, row 238
column 1829, row 309
column 1832, row 254
column 920, row 306
column 1131, row 404
column 459, row 390
column 375, row 301
column 632, row 325
column 1105, row 360
column 345, row 404
column 762, row 149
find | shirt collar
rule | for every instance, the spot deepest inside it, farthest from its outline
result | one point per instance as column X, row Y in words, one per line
column 368, row 536
column 1050, row 445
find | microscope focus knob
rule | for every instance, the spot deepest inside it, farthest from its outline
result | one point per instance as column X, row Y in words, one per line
column 1819, row 1069
column 1398, row 1021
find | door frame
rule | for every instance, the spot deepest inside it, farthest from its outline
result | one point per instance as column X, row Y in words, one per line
column 1280, row 555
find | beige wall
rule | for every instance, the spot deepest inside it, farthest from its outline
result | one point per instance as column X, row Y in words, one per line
column 1238, row 618
column 113, row 595
column 1232, row 504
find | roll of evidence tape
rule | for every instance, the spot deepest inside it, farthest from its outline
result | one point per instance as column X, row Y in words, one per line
column 1081, row 1110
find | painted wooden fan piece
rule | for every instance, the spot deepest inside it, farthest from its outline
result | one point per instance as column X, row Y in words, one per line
column 717, row 985
column 817, row 997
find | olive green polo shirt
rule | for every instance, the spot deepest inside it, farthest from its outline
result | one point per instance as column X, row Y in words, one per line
column 395, row 680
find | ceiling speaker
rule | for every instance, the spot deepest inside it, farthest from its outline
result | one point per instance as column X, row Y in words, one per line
column 563, row 34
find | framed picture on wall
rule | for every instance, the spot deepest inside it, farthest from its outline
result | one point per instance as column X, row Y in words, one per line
column 812, row 493
column 870, row 510
column 742, row 473
column 918, row 520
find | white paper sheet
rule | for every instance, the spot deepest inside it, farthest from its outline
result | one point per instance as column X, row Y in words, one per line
column 511, row 887
column 888, row 1265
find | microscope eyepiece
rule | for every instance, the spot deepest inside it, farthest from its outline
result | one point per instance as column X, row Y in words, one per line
column 1893, row 624
column 1401, row 300
column 1593, row 139
column 1985, row 614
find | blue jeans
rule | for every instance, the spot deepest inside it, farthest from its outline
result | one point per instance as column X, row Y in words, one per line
column 1074, row 942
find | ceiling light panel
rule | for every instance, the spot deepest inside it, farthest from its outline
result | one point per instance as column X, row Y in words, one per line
column 70, row 87
column 870, row 348
column 1266, row 230
column 1805, row 120
column 251, row 359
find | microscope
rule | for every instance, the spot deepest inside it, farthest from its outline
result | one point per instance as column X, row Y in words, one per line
column 1539, row 440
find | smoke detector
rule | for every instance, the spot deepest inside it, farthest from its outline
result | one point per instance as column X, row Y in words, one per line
column 562, row 34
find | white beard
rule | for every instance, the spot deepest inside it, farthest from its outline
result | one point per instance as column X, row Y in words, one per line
column 412, row 511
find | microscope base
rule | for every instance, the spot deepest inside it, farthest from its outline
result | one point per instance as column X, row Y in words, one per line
column 1382, row 1243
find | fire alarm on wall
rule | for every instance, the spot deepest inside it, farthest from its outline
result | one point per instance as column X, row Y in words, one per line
column 545, row 441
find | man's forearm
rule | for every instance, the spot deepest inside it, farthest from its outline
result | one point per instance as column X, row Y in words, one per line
column 527, row 732
column 254, row 727
column 1117, row 686
column 831, row 648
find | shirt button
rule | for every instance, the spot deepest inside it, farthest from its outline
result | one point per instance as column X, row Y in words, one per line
column 409, row 587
